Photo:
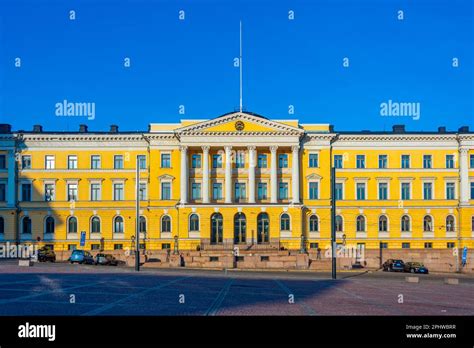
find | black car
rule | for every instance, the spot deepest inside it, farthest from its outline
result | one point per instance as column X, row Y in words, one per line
column 46, row 254
column 415, row 267
column 105, row 259
column 393, row 265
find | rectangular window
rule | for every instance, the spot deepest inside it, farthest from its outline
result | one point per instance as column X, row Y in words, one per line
column 383, row 161
column 118, row 191
column 165, row 246
column 49, row 162
column 71, row 247
column 427, row 161
column 383, row 245
column 405, row 161
column 383, row 191
column 3, row 162
column 428, row 245
column 471, row 160
column 3, row 192
column 283, row 190
column 196, row 161
column 313, row 245
column 313, row 190
column 118, row 162
column 196, row 191
column 313, row 160
column 339, row 191
column 217, row 191
column 283, row 160
column 240, row 159
column 142, row 194
column 472, row 190
column 405, row 191
column 141, row 161
column 118, row 246
column 165, row 190
column 449, row 161
column 26, row 162
column 95, row 246
column 360, row 191
column 49, row 192
column 450, row 190
column 72, row 192
column 338, row 161
column 95, row 192
column 427, row 190
column 95, row 162
column 72, row 162
column 26, row 192
column 262, row 161
column 450, row 245
column 240, row 192
column 262, row 191
column 405, row 245
column 360, row 161
column 165, row 160
column 216, row 161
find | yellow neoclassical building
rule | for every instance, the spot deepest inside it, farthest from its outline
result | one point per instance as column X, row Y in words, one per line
column 237, row 179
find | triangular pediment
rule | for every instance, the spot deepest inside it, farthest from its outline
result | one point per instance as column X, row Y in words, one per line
column 239, row 123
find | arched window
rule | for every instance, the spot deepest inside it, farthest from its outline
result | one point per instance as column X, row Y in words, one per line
column 49, row 225
column 194, row 223
column 285, row 222
column 339, row 223
column 72, row 224
column 360, row 223
column 450, row 227
column 216, row 228
column 165, row 224
column 2, row 225
column 313, row 223
column 427, row 224
column 263, row 228
column 240, row 228
column 118, row 224
column 405, row 222
column 95, row 225
column 383, row 223
column 26, row 225
column 142, row 224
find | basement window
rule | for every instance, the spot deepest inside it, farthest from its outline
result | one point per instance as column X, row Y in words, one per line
column 264, row 258
column 214, row 258
column 239, row 258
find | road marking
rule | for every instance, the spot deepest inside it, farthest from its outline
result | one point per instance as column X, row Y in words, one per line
column 146, row 291
column 216, row 304
column 302, row 304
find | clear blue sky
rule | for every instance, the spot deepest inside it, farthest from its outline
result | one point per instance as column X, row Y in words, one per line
column 190, row 62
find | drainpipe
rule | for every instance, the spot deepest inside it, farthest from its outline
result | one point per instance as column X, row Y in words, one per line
column 18, row 138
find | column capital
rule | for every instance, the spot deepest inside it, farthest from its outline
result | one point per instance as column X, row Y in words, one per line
column 251, row 147
column 273, row 148
column 463, row 150
column 295, row 148
column 228, row 147
column 183, row 148
column 205, row 148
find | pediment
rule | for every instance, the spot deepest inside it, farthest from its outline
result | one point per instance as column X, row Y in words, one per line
column 239, row 123
column 313, row 176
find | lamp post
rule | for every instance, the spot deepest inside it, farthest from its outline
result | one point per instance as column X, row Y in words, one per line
column 333, row 221
column 137, row 217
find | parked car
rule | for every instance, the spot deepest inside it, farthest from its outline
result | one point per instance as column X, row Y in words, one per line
column 415, row 267
column 106, row 259
column 392, row 265
column 46, row 254
column 81, row 256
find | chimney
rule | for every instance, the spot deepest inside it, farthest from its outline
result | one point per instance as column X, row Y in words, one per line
column 113, row 128
column 82, row 128
column 464, row 129
column 442, row 129
column 331, row 128
column 37, row 128
column 5, row 128
column 398, row 128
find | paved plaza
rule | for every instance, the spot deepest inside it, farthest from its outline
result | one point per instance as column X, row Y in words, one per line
column 63, row 289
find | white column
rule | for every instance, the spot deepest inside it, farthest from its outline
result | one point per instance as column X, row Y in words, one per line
column 205, row 174
column 295, row 179
column 11, row 178
column 252, row 165
column 273, row 175
column 184, row 174
column 464, row 175
column 228, row 174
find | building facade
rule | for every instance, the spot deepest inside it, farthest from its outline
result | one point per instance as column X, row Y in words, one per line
column 238, row 179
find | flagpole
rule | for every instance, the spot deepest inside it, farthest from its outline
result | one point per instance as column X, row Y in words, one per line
column 240, row 65
column 137, row 217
